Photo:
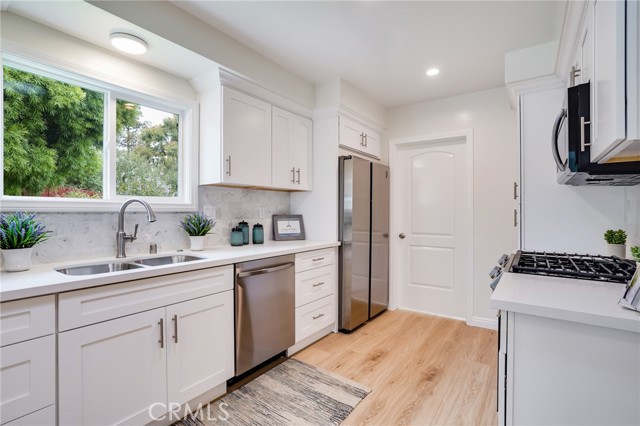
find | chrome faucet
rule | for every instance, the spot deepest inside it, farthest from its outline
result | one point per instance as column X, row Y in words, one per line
column 121, row 236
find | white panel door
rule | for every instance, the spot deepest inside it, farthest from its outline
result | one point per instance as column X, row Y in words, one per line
column 200, row 345
column 112, row 372
column 246, row 139
column 431, row 214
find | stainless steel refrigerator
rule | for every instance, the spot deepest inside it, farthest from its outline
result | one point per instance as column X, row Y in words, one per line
column 364, row 234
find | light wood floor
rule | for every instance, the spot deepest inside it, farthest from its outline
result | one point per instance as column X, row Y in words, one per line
column 422, row 370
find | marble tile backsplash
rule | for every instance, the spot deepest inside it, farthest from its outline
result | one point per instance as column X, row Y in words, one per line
column 632, row 216
column 78, row 236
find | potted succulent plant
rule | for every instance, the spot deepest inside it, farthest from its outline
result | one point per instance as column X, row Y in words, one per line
column 197, row 225
column 19, row 232
column 616, row 241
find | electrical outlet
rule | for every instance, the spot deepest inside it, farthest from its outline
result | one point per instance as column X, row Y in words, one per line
column 262, row 212
column 210, row 211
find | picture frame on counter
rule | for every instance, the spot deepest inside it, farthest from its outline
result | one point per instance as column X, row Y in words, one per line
column 288, row 227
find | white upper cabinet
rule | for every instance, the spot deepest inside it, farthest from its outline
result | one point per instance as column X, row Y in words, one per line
column 583, row 59
column 290, row 151
column 614, row 78
column 359, row 137
column 246, row 139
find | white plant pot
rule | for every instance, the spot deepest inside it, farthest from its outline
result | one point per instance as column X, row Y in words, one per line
column 619, row 250
column 197, row 243
column 17, row 259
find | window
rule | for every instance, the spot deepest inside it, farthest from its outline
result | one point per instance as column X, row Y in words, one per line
column 70, row 137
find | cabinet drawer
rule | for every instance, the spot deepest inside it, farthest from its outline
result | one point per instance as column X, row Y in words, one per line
column 314, row 259
column 315, row 284
column 315, row 316
column 27, row 377
column 89, row 306
column 44, row 417
column 26, row 319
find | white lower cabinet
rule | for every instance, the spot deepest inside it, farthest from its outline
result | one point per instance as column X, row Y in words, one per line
column 133, row 369
column 200, row 345
column 316, row 291
column 315, row 316
column 555, row 372
column 43, row 417
column 112, row 372
column 28, row 362
column 27, row 377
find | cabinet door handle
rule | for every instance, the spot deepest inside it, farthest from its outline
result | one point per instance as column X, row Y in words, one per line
column 229, row 165
column 293, row 175
column 582, row 143
column 175, row 328
column 366, row 140
column 515, row 190
column 361, row 139
column 161, row 341
column 515, row 217
column 318, row 316
column 318, row 284
column 317, row 259
column 298, row 172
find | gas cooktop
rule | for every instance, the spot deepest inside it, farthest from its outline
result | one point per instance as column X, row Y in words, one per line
column 578, row 266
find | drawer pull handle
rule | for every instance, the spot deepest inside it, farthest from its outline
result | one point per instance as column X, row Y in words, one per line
column 318, row 316
column 317, row 259
column 318, row 284
column 175, row 328
column 161, row 341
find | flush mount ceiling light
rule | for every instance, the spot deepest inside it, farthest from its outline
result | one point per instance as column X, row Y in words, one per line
column 433, row 71
column 128, row 43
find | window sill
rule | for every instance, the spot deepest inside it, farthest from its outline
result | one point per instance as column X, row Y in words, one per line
column 89, row 205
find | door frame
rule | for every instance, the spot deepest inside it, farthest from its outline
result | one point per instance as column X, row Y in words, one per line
column 395, row 145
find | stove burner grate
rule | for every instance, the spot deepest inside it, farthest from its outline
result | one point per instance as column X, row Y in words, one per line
column 579, row 266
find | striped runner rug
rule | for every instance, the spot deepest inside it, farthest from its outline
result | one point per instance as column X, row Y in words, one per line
column 291, row 394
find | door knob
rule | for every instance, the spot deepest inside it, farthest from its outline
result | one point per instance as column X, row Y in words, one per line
column 402, row 236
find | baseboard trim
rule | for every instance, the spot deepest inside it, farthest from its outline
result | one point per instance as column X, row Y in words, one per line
column 483, row 323
column 432, row 314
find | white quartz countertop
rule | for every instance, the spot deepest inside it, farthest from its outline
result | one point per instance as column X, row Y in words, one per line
column 44, row 279
column 582, row 301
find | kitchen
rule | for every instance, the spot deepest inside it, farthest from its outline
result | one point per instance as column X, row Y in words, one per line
column 494, row 118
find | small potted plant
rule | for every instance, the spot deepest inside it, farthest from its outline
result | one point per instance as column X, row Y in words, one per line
column 616, row 241
column 635, row 252
column 197, row 225
column 19, row 232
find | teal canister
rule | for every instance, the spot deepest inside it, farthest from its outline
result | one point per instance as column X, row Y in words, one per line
column 236, row 236
column 244, row 226
column 258, row 234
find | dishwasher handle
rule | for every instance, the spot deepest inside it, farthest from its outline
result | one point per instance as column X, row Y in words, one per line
column 265, row 270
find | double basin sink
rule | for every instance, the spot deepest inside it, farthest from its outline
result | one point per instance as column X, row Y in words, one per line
column 103, row 268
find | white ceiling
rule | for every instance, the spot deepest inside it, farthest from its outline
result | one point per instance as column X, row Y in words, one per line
column 384, row 47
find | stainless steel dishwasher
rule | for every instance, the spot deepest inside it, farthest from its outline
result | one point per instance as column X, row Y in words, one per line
column 265, row 310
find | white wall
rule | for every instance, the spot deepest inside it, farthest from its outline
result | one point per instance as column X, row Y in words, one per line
column 560, row 217
column 172, row 23
column 495, row 141
column 632, row 217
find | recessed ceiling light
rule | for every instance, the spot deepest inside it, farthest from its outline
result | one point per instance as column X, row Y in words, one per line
column 433, row 71
column 128, row 43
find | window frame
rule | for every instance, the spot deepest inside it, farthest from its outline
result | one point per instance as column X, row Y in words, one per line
column 187, row 110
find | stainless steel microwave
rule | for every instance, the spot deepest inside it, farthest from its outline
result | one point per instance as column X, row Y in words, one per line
column 570, row 147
